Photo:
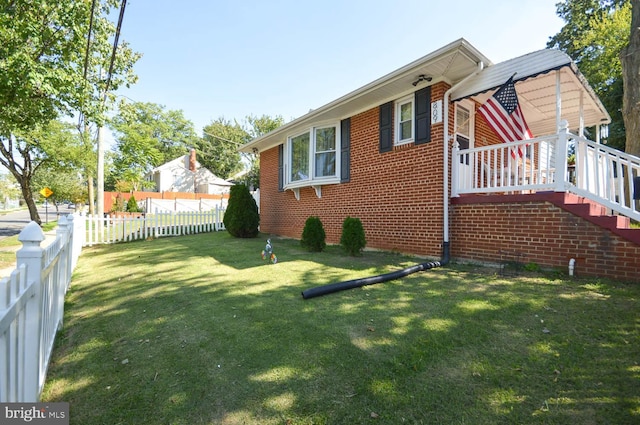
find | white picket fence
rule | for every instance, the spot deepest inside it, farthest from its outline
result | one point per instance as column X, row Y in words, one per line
column 32, row 297
column 105, row 230
column 32, row 308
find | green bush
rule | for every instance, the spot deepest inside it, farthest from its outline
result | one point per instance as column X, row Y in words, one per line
column 352, row 239
column 241, row 218
column 132, row 205
column 313, row 235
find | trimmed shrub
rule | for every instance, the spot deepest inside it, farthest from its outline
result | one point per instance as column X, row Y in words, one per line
column 353, row 240
column 132, row 205
column 313, row 235
column 241, row 218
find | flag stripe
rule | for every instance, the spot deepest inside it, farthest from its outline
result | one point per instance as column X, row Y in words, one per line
column 503, row 114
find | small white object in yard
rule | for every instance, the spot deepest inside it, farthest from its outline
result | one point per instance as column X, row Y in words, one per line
column 125, row 361
column 546, row 331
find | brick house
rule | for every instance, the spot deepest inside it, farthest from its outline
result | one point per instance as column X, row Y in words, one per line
column 379, row 154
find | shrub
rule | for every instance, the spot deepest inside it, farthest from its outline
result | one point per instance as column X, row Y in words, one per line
column 313, row 235
column 241, row 218
column 132, row 205
column 118, row 205
column 352, row 239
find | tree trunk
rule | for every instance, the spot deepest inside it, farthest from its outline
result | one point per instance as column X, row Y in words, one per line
column 28, row 198
column 630, row 58
column 90, row 195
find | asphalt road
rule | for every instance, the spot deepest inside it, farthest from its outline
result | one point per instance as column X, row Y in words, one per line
column 13, row 223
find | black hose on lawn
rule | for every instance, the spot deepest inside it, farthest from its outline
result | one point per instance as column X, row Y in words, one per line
column 357, row 283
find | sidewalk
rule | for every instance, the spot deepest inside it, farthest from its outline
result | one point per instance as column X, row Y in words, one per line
column 49, row 237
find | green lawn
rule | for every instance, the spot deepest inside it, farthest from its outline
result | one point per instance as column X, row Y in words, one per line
column 199, row 330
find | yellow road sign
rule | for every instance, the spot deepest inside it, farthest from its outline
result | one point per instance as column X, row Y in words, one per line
column 46, row 192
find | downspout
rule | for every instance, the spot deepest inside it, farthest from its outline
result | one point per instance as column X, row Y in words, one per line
column 445, row 241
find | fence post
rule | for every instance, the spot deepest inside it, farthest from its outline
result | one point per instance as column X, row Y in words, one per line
column 32, row 256
column 561, row 156
column 65, row 227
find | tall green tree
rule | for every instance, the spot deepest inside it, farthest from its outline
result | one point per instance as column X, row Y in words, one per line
column 259, row 126
column 50, row 70
column 147, row 136
column 630, row 58
column 55, row 145
column 67, row 185
column 594, row 34
column 217, row 150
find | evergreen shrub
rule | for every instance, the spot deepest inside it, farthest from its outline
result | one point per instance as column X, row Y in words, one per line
column 241, row 219
column 353, row 240
column 313, row 235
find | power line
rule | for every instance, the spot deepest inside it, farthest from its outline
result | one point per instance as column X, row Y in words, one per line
column 123, row 5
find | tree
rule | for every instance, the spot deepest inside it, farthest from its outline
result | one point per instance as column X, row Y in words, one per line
column 218, row 148
column 48, row 72
column 259, row 126
column 9, row 189
column 241, row 218
column 66, row 185
column 55, row 145
column 147, row 136
column 594, row 34
column 630, row 58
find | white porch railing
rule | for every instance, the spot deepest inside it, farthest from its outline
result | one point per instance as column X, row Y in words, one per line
column 105, row 230
column 32, row 308
column 602, row 174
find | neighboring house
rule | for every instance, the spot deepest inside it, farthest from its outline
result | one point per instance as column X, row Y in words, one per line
column 185, row 174
column 379, row 154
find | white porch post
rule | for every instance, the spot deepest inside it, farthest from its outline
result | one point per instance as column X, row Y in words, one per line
column 455, row 169
column 561, row 157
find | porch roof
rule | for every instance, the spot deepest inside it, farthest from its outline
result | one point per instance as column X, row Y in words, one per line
column 535, row 81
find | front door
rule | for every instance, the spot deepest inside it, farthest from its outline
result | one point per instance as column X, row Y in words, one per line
column 464, row 136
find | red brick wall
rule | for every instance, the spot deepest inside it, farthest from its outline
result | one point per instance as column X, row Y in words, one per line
column 544, row 234
column 397, row 195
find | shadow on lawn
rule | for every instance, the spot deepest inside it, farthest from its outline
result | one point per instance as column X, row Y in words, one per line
column 174, row 343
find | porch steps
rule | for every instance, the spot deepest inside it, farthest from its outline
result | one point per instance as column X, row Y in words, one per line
column 596, row 214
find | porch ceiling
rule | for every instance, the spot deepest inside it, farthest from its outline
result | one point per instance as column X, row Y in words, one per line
column 535, row 77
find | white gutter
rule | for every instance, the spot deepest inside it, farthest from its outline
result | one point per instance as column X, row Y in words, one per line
column 447, row 94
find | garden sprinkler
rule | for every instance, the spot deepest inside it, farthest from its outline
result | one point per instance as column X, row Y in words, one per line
column 267, row 253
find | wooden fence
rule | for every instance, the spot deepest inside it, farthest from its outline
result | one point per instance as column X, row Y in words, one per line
column 106, row 230
column 32, row 308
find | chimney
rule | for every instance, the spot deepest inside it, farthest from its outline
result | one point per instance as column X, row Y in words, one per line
column 192, row 160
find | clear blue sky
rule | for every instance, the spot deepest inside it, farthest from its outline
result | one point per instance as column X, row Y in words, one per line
column 231, row 59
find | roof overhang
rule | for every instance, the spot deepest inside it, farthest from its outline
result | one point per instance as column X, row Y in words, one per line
column 535, row 77
column 450, row 63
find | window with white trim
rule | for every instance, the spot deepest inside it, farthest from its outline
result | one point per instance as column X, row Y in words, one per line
column 313, row 157
column 404, row 120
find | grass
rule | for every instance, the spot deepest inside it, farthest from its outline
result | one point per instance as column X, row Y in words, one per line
column 199, row 330
column 9, row 246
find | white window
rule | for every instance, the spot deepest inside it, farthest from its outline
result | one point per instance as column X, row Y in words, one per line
column 404, row 120
column 313, row 157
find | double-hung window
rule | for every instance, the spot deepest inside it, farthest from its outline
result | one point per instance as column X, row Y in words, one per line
column 404, row 120
column 313, row 157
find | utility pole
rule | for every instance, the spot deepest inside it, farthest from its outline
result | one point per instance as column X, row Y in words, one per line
column 100, row 174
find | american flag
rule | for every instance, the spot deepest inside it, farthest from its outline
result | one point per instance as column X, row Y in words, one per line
column 502, row 112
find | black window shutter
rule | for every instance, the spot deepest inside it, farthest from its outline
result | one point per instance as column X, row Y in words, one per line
column 345, row 150
column 422, row 115
column 280, row 168
column 386, row 127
